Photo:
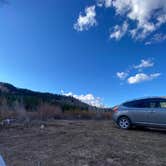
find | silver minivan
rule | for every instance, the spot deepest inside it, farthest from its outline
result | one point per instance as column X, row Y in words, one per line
column 150, row 112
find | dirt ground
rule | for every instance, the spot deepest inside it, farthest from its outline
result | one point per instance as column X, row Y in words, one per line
column 82, row 143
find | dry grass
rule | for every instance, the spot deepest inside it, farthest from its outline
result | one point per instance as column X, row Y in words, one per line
column 82, row 143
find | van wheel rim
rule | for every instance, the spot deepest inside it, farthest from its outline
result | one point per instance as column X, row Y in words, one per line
column 124, row 123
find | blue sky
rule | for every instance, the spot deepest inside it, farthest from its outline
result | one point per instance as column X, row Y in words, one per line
column 79, row 47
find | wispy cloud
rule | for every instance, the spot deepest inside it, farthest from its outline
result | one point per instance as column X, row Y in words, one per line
column 142, row 77
column 140, row 18
column 157, row 38
column 84, row 22
column 106, row 3
column 119, row 31
column 141, row 13
column 122, row 75
column 139, row 76
column 144, row 64
column 87, row 98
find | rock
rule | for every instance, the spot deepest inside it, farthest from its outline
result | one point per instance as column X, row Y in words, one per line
column 110, row 161
column 42, row 126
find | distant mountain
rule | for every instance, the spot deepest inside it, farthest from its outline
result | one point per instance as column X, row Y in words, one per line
column 31, row 99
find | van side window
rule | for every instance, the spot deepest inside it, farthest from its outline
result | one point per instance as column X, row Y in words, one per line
column 144, row 103
column 137, row 104
column 147, row 103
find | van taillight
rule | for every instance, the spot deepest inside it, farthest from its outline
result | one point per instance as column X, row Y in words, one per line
column 115, row 109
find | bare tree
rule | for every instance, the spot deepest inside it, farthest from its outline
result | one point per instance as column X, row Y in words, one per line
column 20, row 111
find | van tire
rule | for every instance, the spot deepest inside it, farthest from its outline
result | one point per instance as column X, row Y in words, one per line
column 124, row 123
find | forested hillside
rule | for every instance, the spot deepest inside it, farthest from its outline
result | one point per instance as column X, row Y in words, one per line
column 27, row 104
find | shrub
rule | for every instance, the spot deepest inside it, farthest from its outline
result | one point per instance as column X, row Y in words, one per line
column 47, row 111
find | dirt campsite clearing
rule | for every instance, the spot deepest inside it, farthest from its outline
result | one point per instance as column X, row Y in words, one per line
column 82, row 143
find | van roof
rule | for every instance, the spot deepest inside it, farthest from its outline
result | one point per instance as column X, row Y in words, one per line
column 151, row 97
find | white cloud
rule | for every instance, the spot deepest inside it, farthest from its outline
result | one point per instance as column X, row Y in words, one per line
column 141, row 17
column 119, row 31
column 148, row 15
column 142, row 77
column 122, row 75
column 87, row 98
column 144, row 64
column 106, row 3
column 84, row 22
column 157, row 38
column 139, row 76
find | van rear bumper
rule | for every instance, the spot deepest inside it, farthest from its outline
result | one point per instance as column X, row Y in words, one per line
column 115, row 117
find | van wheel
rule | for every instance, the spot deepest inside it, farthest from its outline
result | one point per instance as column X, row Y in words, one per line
column 124, row 123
